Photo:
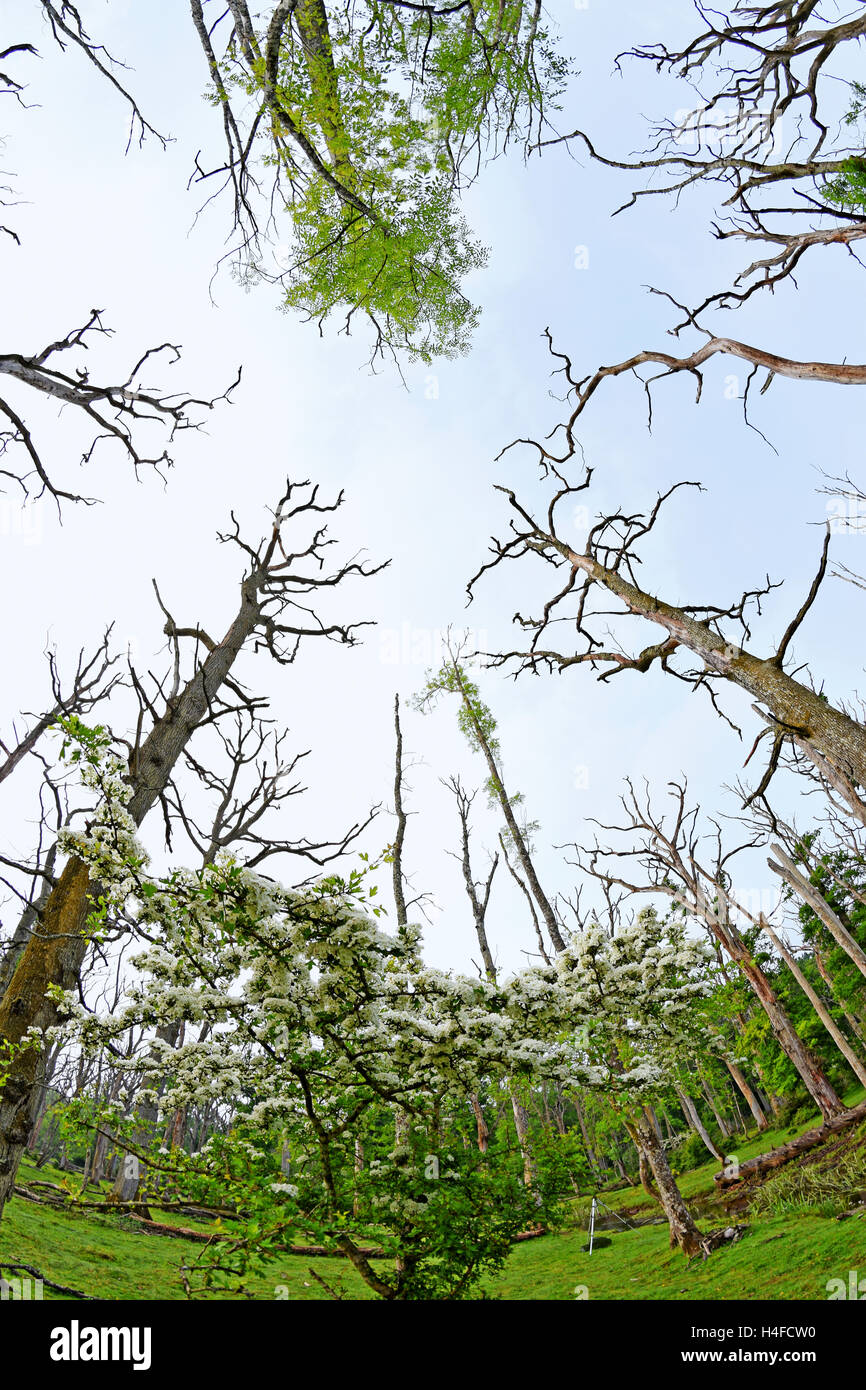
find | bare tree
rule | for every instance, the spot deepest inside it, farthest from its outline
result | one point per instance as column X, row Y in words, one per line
column 767, row 80
column 247, row 789
column 479, row 898
column 715, row 634
column 668, row 856
column 275, row 612
column 582, row 389
column 92, row 682
column 66, row 27
column 478, row 724
column 118, row 411
column 477, row 893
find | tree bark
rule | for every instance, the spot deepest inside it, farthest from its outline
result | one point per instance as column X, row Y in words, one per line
column 311, row 19
column 481, row 1123
column 789, row 1040
column 810, row 895
column 841, row 739
column 521, row 1125
column 696, row 1123
column 775, row 1158
column 749, row 1095
column 55, row 955
column 683, row 1230
column 27, row 924
column 712, row 1102
column 856, row 1063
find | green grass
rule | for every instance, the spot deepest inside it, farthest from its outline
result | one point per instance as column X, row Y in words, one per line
column 114, row 1259
column 698, row 1183
column 778, row 1259
column 789, row 1257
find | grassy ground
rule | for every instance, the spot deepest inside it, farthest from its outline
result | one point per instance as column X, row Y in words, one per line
column 779, row 1259
column 782, row 1257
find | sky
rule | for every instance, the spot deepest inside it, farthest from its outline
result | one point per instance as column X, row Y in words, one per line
column 101, row 228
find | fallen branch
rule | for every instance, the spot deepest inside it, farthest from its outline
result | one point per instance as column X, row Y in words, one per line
column 49, row 1284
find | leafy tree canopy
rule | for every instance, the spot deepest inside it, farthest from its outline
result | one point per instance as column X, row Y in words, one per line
column 374, row 117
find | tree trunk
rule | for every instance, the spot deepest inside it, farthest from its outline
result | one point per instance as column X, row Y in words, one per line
column 683, row 1230
column 788, row 870
column 801, row 1056
column 789, row 1040
column 52, row 957
column 521, row 1125
column 481, row 1123
column 695, row 1122
column 775, row 1158
column 26, row 924
column 357, row 1168
column 590, row 1151
column 517, row 839
column 311, row 19
column 56, row 954
column 857, row 1065
column 721, row 1121
column 838, row 737
column 853, row 1023
column 749, row 1095
column 644, row 1167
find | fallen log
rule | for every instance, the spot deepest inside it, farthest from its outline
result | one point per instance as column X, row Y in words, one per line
column 775, row 1158
column 49, row 1283
column 158, row 1228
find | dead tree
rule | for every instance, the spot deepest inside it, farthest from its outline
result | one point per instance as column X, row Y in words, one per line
column 118, row 411
column 276, row 612
column 477, row 722
column 121, row 409
column 479, row 899
column 793, row 710
column 397, row 874
column 92, row 682
column 667, row 854
column 582, row 389
column 477, row 893
column 766, row 81
column 66, row 27
column 249, row 780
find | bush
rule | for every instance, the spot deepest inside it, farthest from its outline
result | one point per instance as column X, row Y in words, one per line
column 690, row 1154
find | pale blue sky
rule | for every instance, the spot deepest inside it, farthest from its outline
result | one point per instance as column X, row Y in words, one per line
column 102, row 230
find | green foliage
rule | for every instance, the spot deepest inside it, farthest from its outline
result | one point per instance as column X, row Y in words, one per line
column 477, row 723
column 380, row 116
column 404, row 271
column 81, row 743
column 689, row 1154
column 445, row 1212
column 848, row 189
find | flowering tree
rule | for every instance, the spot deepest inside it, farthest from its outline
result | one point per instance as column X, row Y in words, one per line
column 277, row 611
column 318, row 1024
column 314, row 1025
column 622, row 1011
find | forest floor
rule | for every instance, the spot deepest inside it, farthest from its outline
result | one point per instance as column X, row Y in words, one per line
column 811, row 1231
